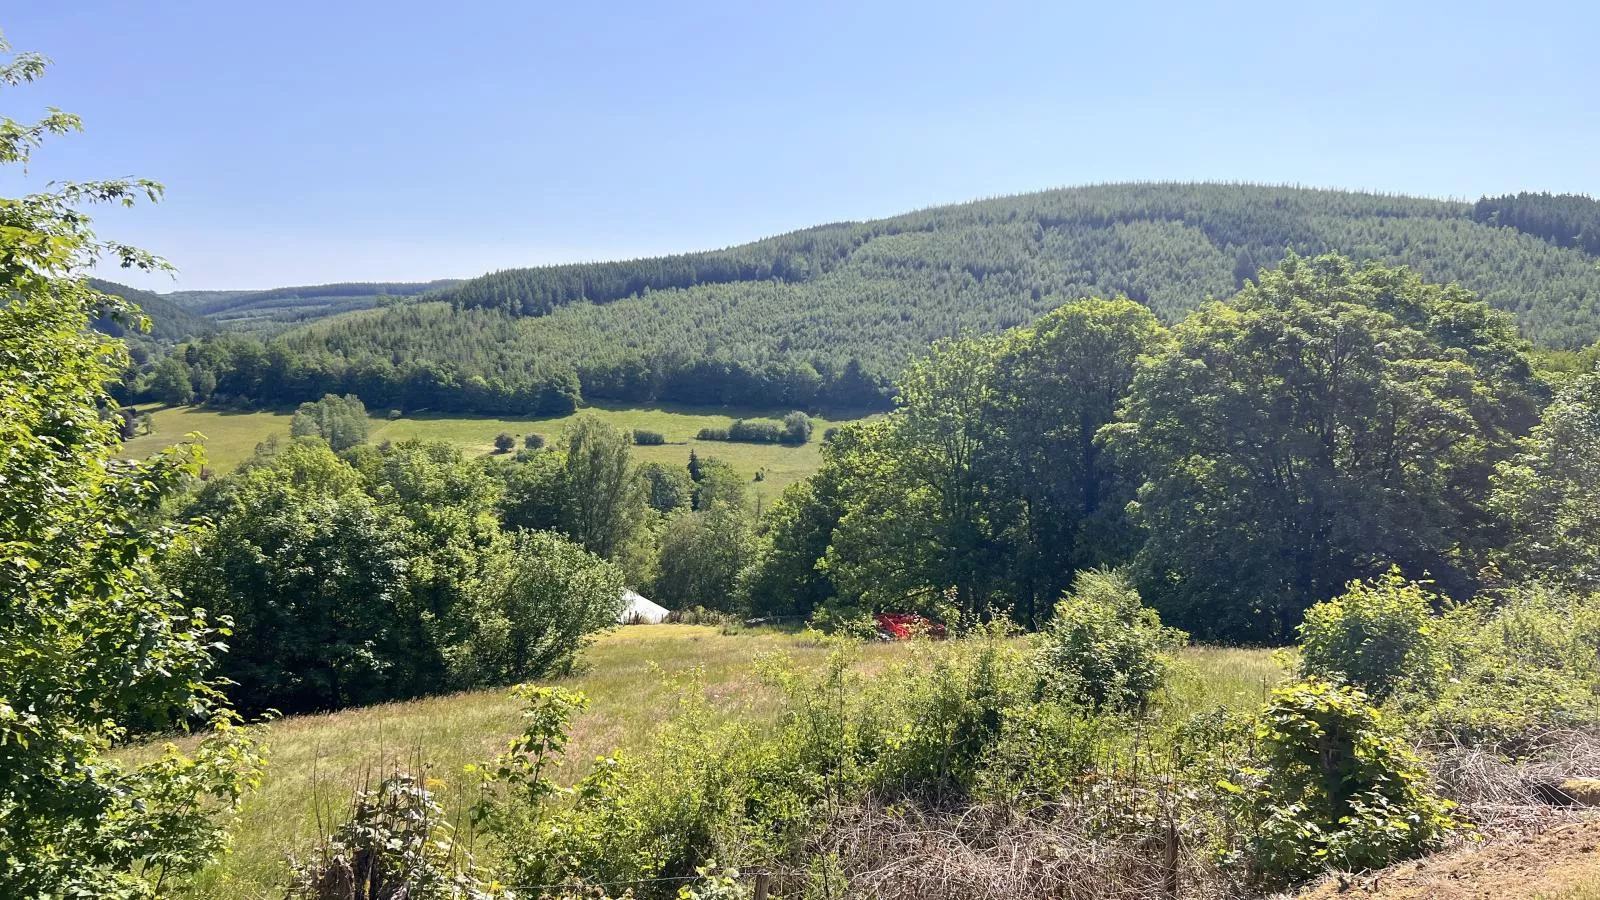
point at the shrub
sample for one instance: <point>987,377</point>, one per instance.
<point>1377,635</point>
<point>747,431</point>
<point>937,722</point>
<point>1104,647</point>
<point>1334,788</point>
<point>398,845</point>
<point>755,432</point>
<point>394,414</point>
<point>796,428</point>
<point>539,611</point>
<point>648,438</point>
<point>533,441</point>
<point>1519,665</point>
<point>504,442</point>
<point>628,820</point>
<point>1041,752</point>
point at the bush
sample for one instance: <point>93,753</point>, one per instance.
<point>539,611</point>
<point>648,438</point>
<point>533,441</point>
<point>1378,635</point>
<point>394,414</point>
<point>1104,647</point>
<point>628,820</point>
<point>755,432</point>
<point>748,432</point>
<point>796,428</point>
<point>504,442</point>
<point>937,722</point>
<point>398,845</point>
<point>1519,665</point>
<point>1334,788</point>
<point>341,421</point>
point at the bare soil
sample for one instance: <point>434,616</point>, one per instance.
<point>1558,862</point>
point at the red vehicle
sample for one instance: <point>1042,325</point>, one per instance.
<point>904,626</point>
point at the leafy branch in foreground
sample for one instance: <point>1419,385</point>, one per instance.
<point>92,646</point>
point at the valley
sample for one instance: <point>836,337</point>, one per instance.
<point>230,437</point>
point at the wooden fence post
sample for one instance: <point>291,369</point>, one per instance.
<point>763,881</point>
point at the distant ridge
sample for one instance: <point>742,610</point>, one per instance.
<point>825,316</point>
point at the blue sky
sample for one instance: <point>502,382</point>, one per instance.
<point>359,141</point>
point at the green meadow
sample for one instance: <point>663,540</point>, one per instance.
<point>633,678</point>
<point>230,437</point>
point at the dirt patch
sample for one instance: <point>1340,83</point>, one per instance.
<point>1547,863</point>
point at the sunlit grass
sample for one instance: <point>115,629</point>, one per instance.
<point>633,677</point>
<point>230,438</point>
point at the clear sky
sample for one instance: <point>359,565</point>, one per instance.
<point>306,142</point>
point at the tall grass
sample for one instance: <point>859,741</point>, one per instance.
<point>632,676</point>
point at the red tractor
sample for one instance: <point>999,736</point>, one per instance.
<point>905,626</point>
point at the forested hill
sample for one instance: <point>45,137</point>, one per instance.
<point>826,315</point>
<point>1164,245</point>
<point>169,321</point>
<point>276,309</point>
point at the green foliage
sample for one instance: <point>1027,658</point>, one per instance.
<point>784,578</point>
<point>313,574</point>
<point>668,488</point>
<point>601,502</point>
<point>700,555</point>
<point>1326,423</point>
<point>989,477</point>
<point>397,845</point>
<point>92,644</point>
<point>384,575</point>
<point>644,438</point>
<point>938,722</point>
<point>1379,635</point>
<point>341,421</point>
<point>1103,647</point>
<point>1334,788</point>
<point>625,822</point>
<point>1522,663</point>
<point>823,317</point>
<point>170,383</point>
<point>796,428</point>
<point>533,441</point>
<point>1548,495</point>
<point>546,600</point>
<point>505,442</point>
<point>1566,220</point>
<point>751,432</point>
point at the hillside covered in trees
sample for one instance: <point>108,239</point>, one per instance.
<point>825,316</point>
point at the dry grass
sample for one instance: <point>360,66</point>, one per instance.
<point>317,761</point>
<point>992,854</point>
<point>632,676</point>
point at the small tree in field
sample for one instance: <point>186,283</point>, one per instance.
<point>1104,647</point>
<point>505,442</point>
<point>341,421</point>
<point>1378,635</point>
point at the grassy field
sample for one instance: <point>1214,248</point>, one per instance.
<point>230,437</point>
<point>632,681</point>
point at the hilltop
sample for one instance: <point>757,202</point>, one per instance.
<point>826,315</point>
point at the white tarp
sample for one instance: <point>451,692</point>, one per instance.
<point>638,609</point>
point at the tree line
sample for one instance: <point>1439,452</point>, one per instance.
<point>827,317</point>
<point>1326,423</point>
